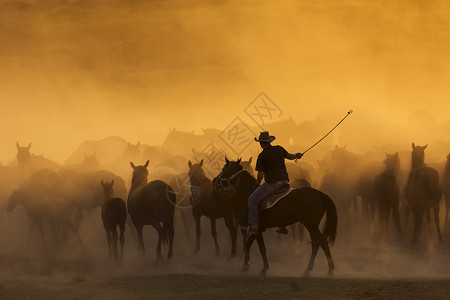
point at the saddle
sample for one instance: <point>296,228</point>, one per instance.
<point>273,198</point>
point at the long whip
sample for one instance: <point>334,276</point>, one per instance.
<point>348,113</point>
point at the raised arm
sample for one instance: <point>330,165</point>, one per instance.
<point>293,156</point>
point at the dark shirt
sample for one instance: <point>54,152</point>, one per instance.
<point>271,162</point>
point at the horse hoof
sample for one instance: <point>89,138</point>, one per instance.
<point>330,273</point>
<point>245,268</point>
<point>263,272</point>
<point>306,273</point>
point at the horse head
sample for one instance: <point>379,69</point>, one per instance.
<point>108,189</point>
<point>90,162</point>
<point>392,162</point>
<point>418,156</point>
<point>247,165</point>
<point>16,197</point>
<point>196,172</point>
<point>23,154</point>
<point>140,174</point>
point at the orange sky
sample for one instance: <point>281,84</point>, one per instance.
<point>71,72</point>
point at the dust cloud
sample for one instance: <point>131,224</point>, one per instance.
<point>83,78</point>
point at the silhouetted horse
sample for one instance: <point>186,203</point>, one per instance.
<point>206,201</point>
<point>305,205</point>
<point>151,203</point>
<point>45,200</point>
<point>387,193</point>
<point>29,163</point>
<point>422,190</point>
<point>114,213</point>
<point>446,188</point>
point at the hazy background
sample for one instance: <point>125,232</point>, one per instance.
<point>83,70</point>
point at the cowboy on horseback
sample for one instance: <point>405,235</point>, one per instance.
<point>270,166</point>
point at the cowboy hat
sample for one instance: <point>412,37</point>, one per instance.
<point>265,137</point>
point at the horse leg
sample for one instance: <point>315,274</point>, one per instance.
<point>233,233</point>
<point>301,231</point>
<point>115,239</point>
<point>197,232</point>
<point>428,215</point>
<point>417,215</point>
<point>139,229</point>
<point>170,228</point>
<point>396,218</point>
<point>160,231</point>
<point>75,231</point>
<point>326,248</point>
<point>214,234</point>
<point>262,249</point>
<point>108,240</point>
<point>407,212</point>
<point>41,233</point>
<point>436,221</point>
<point>122,238</point>
<point>447,207</point>
<point>316,237</point>
<point>293,231</point>
<point>248,245</point>
<point>244,239</point>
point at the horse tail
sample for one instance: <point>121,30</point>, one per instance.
<point>329,230</point>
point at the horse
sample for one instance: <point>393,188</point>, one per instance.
<point>446,187</point>
<point>422,190</point>
<point>386,193</point>
<point>206,201</point>
<point>306,205</point>
<point>45,200</point>
<point>247,165</point>
<point>151,203</point>
<point>114,213</point>
<point>29,163</point>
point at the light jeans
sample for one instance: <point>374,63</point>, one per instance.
<point>262,191</point>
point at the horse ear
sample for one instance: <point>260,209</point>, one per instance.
<point>193,151</point>
<point>132,165</point>
<point>146,164</point>
<point>138,144</point>
<point>102,183</point>
<point>29,147</point>
<point>190,164</point>
<point>396,154</point>
<point>239,160</point>
<point>250,159</point>
<point>201,163</point>
<point>425,147</point>
<point>112,182</point>
<point>413,146</point>
<point>17,145</point>
<point>387,155</point>
<point>226,160</point>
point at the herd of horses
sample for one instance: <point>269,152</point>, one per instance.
<point>61,196</point>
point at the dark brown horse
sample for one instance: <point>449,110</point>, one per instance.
<point>422,190</point>
<point>305,205</point>
<point>114,213</point>
<point>206,201</point>
<point>387,193</point>
<point>151,203</point>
